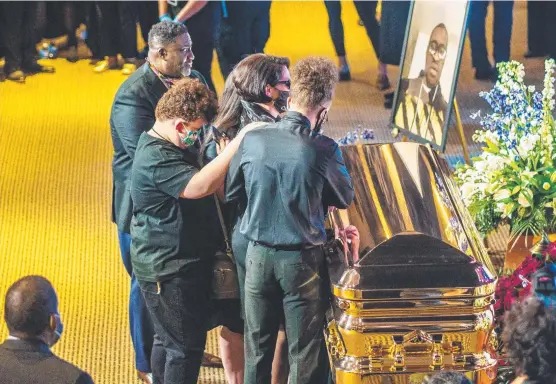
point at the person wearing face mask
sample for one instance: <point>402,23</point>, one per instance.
<point>170,59</point>
<point>175,230</point>
<point>34,326</point>
<point>288,172</point>
<point>255,91</point>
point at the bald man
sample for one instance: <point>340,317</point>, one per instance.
<point>34,325</point>
<point>421,106</point>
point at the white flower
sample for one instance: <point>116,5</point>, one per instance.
<point>527,144</point>
<point>502,194</point>
<point>522,200</point>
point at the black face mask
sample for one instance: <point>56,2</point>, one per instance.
<point>321,119</point>
<point>281,103</point>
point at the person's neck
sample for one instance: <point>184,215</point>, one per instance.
<point>310,115</point>
<point>270,108</point>
<point>157,64</point>
<point>164,131</point>
<point>24,337</point>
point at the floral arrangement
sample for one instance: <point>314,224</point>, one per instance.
<point>513,181</point>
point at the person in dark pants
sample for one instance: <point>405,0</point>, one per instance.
<point>34,326</point>
<point>201,18</point>
<point>147,12</point>
<point>367,13</point>
<point>244,31</point>
<point>117,32</point>
<point>17,22</point>
<point>286,194</point>
<point>173,237</point>
<point>540,38</point>
<point>133,112</point>
<point>503,20</point>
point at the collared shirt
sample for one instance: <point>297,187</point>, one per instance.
<point>288,176</point>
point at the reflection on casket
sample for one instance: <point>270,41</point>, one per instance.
<point>417,297</point>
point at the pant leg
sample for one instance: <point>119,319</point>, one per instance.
<point>503,21</point>
<point>235,43</point>
<point>335,26</point>
<point>127,17</point>
<point>201,29</point>
<point>92,22</point>
<point>262,303</point>
<point>477,37</point>
<point>108,27</point>
<point>179,310</point>
<point>536,20</point>
<point>11,21</point>
<point>299,274</point>
<point>367,13</point>
<point>148,16</point>
<point>260,29</point>
<point>239,245</point>
<point>142,332</point>
<point>158,360</point>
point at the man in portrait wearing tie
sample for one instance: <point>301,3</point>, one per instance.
<point>421,107</point>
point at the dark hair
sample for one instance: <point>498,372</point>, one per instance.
<point>189,100</point>
<point>313,82</point>
<point>247,81</point>
<point>448,378</point>
<point>164,33</point>
<point>29,303</point>
<point>529,336</point>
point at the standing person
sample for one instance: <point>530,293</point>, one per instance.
<point>17,23</point>
<point>367,13</point>
<point>133,112</point>
<point>34,326</point>
<point>244,30</point>
<point>286,192</point>
<point>503,20</point>
<point>256,90</point>
<point>174,234</point>
<point>201,18</point>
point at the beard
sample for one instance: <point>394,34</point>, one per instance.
<point>186,70</point>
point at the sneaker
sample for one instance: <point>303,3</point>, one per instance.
<point>34,67</point>
<point>17,75</point>
<point>129,68</point>
<point>382,82</point>
<point>105,65</point>
<point>72,56</point>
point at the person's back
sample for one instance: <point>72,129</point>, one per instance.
<point>287,169</point>
<point>34,325</point>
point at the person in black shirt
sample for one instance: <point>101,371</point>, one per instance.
<point>289,173</point>
<point>255,91</point>
<point>34,326</point>
<point>173,236</point>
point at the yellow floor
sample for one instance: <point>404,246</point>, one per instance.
<point>55,189</point>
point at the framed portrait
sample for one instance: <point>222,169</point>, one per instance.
<point>429,70</point>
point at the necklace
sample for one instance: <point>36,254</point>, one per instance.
<point>159,135</point>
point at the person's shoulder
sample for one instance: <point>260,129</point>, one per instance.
<point>72,372</point>
<point>326,144</point>
<point>139,81</point>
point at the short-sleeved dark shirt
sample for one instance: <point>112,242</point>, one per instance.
<point>168,233</point>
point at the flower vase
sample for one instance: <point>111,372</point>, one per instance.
<point>516,253</point>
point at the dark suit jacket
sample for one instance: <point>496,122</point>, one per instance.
<point>132,114</point>
<point>30,362</point>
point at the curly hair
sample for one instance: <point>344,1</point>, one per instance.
<point>529,336</point>
<point>448,378</point>
<point>29,303</point>
<point>164,33</point>
<point>313,82</point>
<point>189,100</point>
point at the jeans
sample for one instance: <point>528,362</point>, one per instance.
<point>503,20</point>
<point>279,280</point>
<point>140,323</point>
<point>179,311</point>
<point>367,13</point>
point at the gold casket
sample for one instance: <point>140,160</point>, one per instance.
<point>413,296</point>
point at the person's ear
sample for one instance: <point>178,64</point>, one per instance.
<point>162,52</point>
<point>268,90</point>
<point>53,322</point>
<point>180,126</point>
<point>288,102</point>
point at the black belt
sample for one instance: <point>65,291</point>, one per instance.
<point>292,247</point>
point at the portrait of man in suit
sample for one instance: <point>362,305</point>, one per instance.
<point>421,107</point>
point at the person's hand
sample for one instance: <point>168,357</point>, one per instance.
<point>352,240</point>
<point>221,143</point>
<point>165,17</point>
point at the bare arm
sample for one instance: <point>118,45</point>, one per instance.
<point>190,9</point>
<point>212,175</point>
<point>162,8</point>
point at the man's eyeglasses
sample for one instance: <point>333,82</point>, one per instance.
<point>287,83</point>
<point>437,49</point>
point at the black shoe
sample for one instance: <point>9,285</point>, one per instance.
<point>531,55</point>
<point>487,74</point>
<point>344,75</point>
<point>389,100</point>
<point>382,82</point>
<point>35,67</point>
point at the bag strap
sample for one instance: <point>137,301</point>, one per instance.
<point>220,216</point>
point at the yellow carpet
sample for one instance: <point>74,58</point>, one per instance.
<point>55,190</point>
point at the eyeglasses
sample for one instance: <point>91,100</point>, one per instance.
<point>287,83</point>
<point>437,49</point>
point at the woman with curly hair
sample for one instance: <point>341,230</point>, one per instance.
<point>530,340</point>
